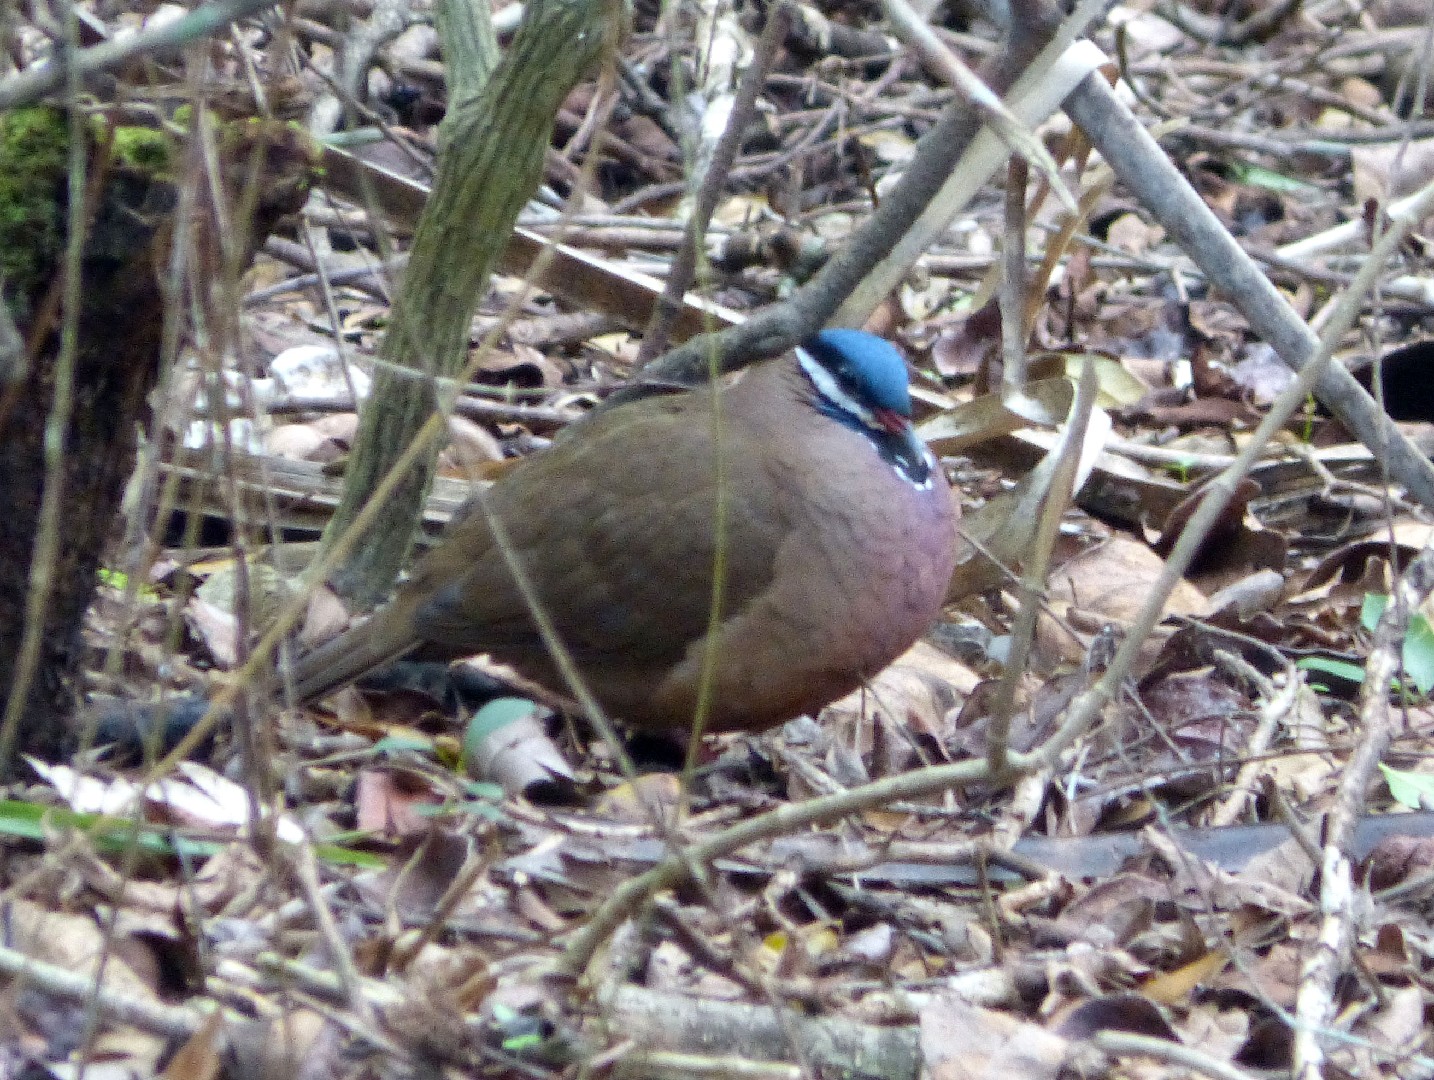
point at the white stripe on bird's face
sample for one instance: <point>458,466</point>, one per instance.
<point>829,388</point>
<point>879,427</point>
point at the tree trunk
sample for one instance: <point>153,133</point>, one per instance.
<point>115,352</point>
<point>493,141</point>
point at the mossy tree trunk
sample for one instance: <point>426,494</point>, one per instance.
<point>493,144</point>
<point>115,362</point>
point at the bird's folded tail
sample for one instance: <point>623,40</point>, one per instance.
<point>383,638</point>
<point>138,731</point>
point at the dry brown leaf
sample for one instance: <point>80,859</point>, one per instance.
<point>74,942</point>
<point>387,802</point>
<point>960,1041</point>
<point>1106,585</point>
<point>1175,987</point>
<point>302,442</point>
<point>653,793</point>
<point>201,1055</point>
<point>325,617</point>
<point>300,1043</point>
<point>916,691</point>
<point>1389,171</point>
<point>216,628</point>
<point>471,447</point>
<point>1133,235</point>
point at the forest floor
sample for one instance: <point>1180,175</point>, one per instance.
<point>1212,862</point>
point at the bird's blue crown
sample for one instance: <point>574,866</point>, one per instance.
<point>867,367</point>
<point>860,381</point>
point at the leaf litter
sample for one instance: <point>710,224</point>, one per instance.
<point>913,938</point>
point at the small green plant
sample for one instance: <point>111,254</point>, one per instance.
<point>1183,470</point>
<point>1418,651</point>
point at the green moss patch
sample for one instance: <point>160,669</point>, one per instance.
<point>33,157</point>
<point>147,149</point>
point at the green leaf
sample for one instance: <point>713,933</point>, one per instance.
<point>394,744</point>
<point>477,807</point>
<point>1419,653</point>
<point>1409,789</point>
<point>492,718</point>
<point>1340,669</point>
<point>29,821</point>
<point>1261,177</point>
<point>497,714</point>
<point>116,579</point>
<point>1372,610</point>
<point>484,789</point>
<point>482,808</point>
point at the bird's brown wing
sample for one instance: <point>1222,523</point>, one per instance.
<point>617,532</point>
